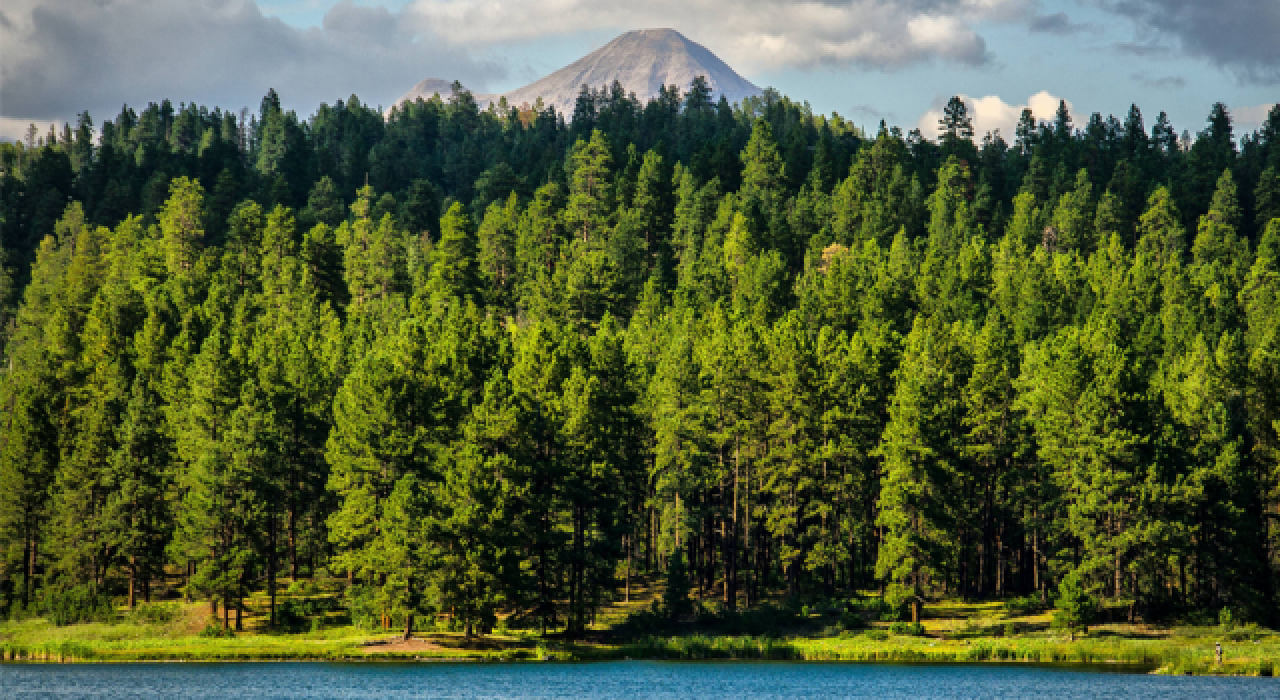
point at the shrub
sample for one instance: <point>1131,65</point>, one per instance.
<point>1010,629</point>
<point>1027,605</point>
<point>79,604</point>
<point>291,615</point>
<point>878,635</point>
<point>301,587</point>
<point>907,629</point>
<point>675,599</point>
<point>852,621</point>
<point>213,630</point>
<point>1076,607</point>
<point>1246,633</point>
<point>362,604</point>
<point>155,613</point>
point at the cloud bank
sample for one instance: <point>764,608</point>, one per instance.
<point>748,34</point>
<point>1247,119</point>
<point>991,113</point>
<point>1240,36</point>
<point>59,57</point>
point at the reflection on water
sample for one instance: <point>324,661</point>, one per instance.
<point>625,679</point>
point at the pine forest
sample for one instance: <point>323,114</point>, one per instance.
<point>498,364</point>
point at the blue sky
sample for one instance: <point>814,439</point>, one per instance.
<point>866,59</point>
<point>1090,61</point>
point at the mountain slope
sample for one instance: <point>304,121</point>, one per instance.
<point>643,61</point>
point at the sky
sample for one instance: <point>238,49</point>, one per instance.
<point>867,60</point>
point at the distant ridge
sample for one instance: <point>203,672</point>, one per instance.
<point>643,61</point>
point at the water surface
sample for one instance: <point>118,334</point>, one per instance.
<point>622,679</point>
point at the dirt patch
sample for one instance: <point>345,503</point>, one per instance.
<point>399,646</point>
<point>439,643</point>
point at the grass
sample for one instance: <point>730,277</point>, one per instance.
<point>953,632</point>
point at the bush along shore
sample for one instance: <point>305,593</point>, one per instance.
<point>320,624</point>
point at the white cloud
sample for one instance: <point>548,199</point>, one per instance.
<point>15,128</point>
<point>59,57</point>
<point>991,113</point>
<point>1249,119</point>
<point>749,34</point>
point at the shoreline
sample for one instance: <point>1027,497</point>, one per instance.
<point>1083,655</point>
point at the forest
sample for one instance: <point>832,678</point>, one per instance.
<point>497,363</point>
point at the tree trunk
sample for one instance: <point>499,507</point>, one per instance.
<point>293,544</point>
<point>271,568</point>
<point>648,544</point>
<point>408,626</point>
<point>31,572</point>
<point>133,582</point>
<point>1035,564</point>
<point>731,542</point>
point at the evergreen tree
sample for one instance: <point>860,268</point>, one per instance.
<point>1076,607</point>
<point>182,225</point>
<point>921,453</point>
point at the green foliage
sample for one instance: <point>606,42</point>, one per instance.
<point>907,629</point>
<point>156,613</point>
<point>76,605</point>
<point>490,364</point>
<point>213,629</point>
<point>1025,605</point>
<point>675,597</point>
<point>1076,606</point>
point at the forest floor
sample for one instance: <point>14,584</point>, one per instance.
<point>953,631</point>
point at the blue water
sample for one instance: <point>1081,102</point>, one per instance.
<point>623,679</point>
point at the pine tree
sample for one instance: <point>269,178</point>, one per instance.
<point>496,259</point>
<point>1266,197</point>
<point>373,255</point>
<point>1220,262</point>
<point>1073,217</point>
<point>993,439</point>
<point>467,553</point>
<point>675,596</point>
<point>182,225</point>
<point>210,530</point>
<point>591,194</point>
<point>955,126</point>
<point>1081,397</point>
<point>324,205</point>
<point>453,262</point>
<point>1160,232</point>
<point>1076,608</point>
<point>139,512</point>
<point>921,453</point>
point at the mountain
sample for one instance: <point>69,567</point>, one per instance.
<point>427,88</point>
<point>643,61</point>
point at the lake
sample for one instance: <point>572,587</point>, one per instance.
<point>623,679</point>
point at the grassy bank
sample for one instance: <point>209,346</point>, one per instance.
<point>1177,651</point>
<point>1159,655</point>
<point>952,632</point>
